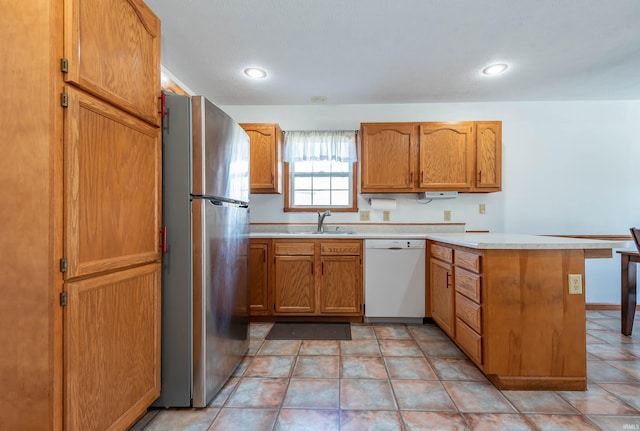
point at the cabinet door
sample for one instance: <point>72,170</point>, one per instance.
<point>258,278</point>
<point>388,157</point>
<point>340,287</point>
<point>112,189</point>
<point>294,285</point>
<point>442,295</point>
<point>266,144</point>
<point>113,51</point>
<point>488,156</point>
<point>112,348</point>
<point>446,156</point>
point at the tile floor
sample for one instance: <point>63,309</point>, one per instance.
<point>409,377</point>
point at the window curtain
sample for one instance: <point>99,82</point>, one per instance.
<point>334,145</point>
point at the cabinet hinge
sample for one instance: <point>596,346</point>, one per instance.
<point>63,299</point>
<point>63,265</point>
<point>64,100</point>
<point>64,65</point>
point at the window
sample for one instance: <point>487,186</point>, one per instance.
<point>320,171</point>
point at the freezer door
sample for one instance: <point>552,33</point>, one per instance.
<point>220,153</point>
<point>220,295</point>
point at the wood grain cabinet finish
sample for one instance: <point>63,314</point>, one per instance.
<point>112,348</point>
<point>113,52</point>
<point>340,284</point>
<point>446,156</point>
<point>488,157</point>
<point>112,187</point>
<point>317,278</point>
<point>441,290</point>
<point>85,265</point>
<point>435,156</point>
<point>514,317</point>
<point>266,157</point>
<point>294,290</point>
<point>259,277</point>
<point>388,161</point>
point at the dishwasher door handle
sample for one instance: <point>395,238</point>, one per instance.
<point>395,248</point>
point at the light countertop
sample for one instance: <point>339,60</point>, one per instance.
<point>522,241</point>
<point>471,240</point>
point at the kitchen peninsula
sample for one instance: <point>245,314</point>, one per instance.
<point>513,303</point>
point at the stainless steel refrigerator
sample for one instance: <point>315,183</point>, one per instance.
<point>205,266</point>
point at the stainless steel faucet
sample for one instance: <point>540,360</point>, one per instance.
<point>321,217</point>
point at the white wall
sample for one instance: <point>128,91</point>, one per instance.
<point>568,168</point>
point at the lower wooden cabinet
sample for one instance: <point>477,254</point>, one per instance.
<point>442,295</point>
<point>259,277</point>
<point>511,313</point>
<point>112,348</point>
<point>300,277</point>
<point>294,279</point>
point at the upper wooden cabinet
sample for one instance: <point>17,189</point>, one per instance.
<point>113,51</point>
<point>266,157</point>
<point>112,187</point>
<point>488,174</point>
<point>388,157</point>
<point>446,156</point>
<point>413,157</point>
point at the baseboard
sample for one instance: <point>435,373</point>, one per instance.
<point>613,307</point>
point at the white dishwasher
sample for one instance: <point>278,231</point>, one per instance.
<point>394,284</point>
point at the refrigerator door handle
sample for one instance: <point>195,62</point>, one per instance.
<point>221,201</point>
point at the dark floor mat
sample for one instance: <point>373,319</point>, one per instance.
<point>310,331</point>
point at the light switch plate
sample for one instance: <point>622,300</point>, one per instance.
<point>483,209</point>
<point>365,215</point>
<point>447,216</point>
<point>386,215</point>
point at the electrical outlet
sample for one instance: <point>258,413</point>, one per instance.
<point>447,216</point>
<point>483,209</point>
<point>365,215</point>
<point>386,215</point>
<point>575,284</point>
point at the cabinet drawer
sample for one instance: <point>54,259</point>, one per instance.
<point>469,341</point>
<point>469,311</point>
<point>442,253</point>
<point>294,248</point>
<point>468,284</point>
<point>349,248</point>
<point>470,261</point>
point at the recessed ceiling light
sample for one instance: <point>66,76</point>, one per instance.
<point>254,72</point>
<point>495,69</point>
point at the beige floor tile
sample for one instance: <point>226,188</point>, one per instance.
<point>478,397</point>
<point>562,423</point>
<point>497,421</point>
<point>258,392</point>
<point>597,401</point>
<point>308,420</point>
<point>433,421</point>
<point>363,394</point>
<point>400,368</point>
<point>362,367</point>
<point>327,367</point>
<point>422,395</point>
<point>371,421</point>
<point>320,347</point>
<point>313,394</point>
<point>545,402</point>
<point>244,420</point>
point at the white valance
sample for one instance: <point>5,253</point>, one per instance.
<point>320,145</point>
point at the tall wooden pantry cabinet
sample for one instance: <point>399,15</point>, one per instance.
<point>80,189</point>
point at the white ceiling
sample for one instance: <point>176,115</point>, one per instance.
<point>402,51</point>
